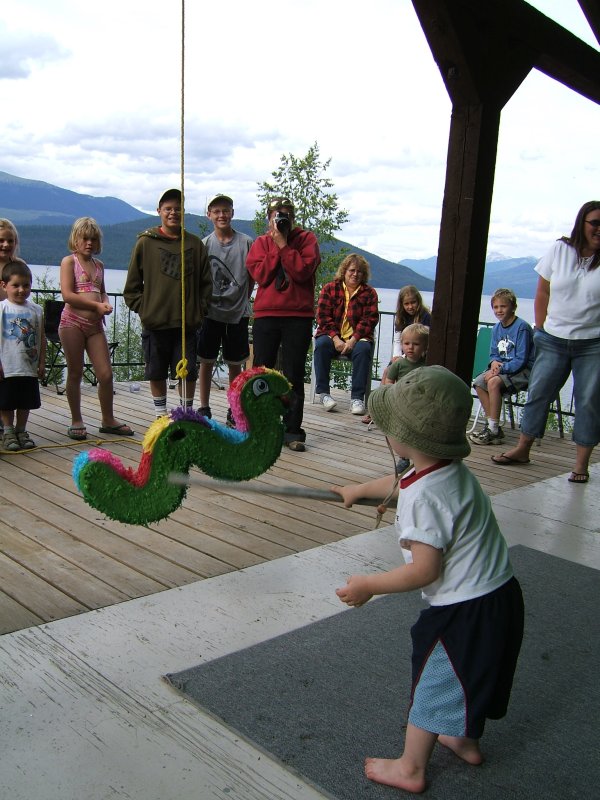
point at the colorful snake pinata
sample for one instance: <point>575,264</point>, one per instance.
<point>186,439</point>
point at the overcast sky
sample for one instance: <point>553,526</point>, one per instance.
<point>91,101</point>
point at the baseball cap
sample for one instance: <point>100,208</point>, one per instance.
<point>220,198</point>
<point>170,194</point>
<point>427,409</point>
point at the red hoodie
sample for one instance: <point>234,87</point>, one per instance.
<point>286,277</point>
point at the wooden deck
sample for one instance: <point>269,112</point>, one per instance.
<point>59,557</point>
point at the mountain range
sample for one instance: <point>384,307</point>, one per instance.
<point>44,214</point>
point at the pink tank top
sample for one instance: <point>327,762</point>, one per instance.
<point>82,282</point>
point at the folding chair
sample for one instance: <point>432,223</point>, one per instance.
<point>54,355</point>
<point>482,359</point>
<point>480,364</point>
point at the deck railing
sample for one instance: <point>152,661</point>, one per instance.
<point>123,326</point>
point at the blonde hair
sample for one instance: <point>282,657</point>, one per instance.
<point>418,329</point>
<point>359,261</point>
<point>9,226</point>
<point>505,294</point>
<point>85,228</point>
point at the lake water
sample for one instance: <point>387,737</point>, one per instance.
<point>115,280</point>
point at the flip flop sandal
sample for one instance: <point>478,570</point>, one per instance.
<point>117,430</point>
<point>579,477</point>
<point>505,460</point>
<point>77,432</point>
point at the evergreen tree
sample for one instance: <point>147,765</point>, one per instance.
<point>304,182</point>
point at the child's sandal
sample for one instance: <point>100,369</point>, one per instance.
<point>25,440</point>
<point>10,441</point>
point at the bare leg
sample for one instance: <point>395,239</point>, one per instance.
<point>408,771</point>
<point>187,387</point>
<point>73,342</point>
<point>97,349</point>
<point>495,386</point>
<point>521,451</point>
<point>582,464</point>
<point>484,399</point>
<point>204,379</point>
<point>8,418</point>
<point>467,749</point>
<point>234,371</point>
<point>22,419</point>
<point>158,388</point>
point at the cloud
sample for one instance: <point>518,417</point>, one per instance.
<point>22,54</point>
<point>99,113</point>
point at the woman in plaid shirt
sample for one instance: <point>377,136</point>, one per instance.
<point>347,315</point>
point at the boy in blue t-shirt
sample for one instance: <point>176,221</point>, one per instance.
<point>511,358</point>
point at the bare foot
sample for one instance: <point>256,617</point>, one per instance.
<point>392,772</point>
<point>467,749</point>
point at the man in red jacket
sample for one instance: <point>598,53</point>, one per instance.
<point>283,263</point>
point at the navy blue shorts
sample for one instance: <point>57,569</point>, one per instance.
<point>21,392</point>
<point>231,336</point>
<point>464,660</point>
<point>162,353</point>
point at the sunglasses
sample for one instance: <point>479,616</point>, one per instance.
<point>595,223</point>
<point>280,202</point>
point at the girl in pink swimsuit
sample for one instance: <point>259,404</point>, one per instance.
<point>81,326</point>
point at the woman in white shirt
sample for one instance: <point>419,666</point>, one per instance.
<point>567,338</point>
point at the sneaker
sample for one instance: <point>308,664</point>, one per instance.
<point>230,422</point>
<point>474,437</point>
<point>205,411</point>
<point>357,407</point>
<point>328,402</point>
<point>297,447</point>
<point>487,437</point>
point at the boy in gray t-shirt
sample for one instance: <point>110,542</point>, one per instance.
<point>226,323</point>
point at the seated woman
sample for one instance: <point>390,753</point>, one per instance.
<point>347,316</point>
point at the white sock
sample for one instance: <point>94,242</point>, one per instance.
<point>493,425</point>
<point>160,405</point>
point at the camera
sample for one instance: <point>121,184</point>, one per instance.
<point>283,222</point>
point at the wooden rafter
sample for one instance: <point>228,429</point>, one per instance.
<point>484,50</point>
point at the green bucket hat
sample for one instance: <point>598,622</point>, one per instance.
<point>427,409</point>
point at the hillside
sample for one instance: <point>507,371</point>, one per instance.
<point>47,244</point>
<point>44,214</point>
<point>28,202</point>
<point>514,273</point>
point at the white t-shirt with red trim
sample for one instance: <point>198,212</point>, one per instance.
<point>445,507</point>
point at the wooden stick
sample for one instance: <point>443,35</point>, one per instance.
<point>181,479</point>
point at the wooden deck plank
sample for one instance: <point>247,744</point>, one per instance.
<point>50,539</point>
<point>79,584</point>
<point>121,577</point>
<point>14,616</point>
<point>35,594</point>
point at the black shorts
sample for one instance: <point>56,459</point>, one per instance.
<point>231,336</point>
<point>162,353</point>
<point>464,660</point>
<point>19,393</point>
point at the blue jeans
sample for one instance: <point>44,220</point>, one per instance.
<point>361,356</point>
<point>554,360</point>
